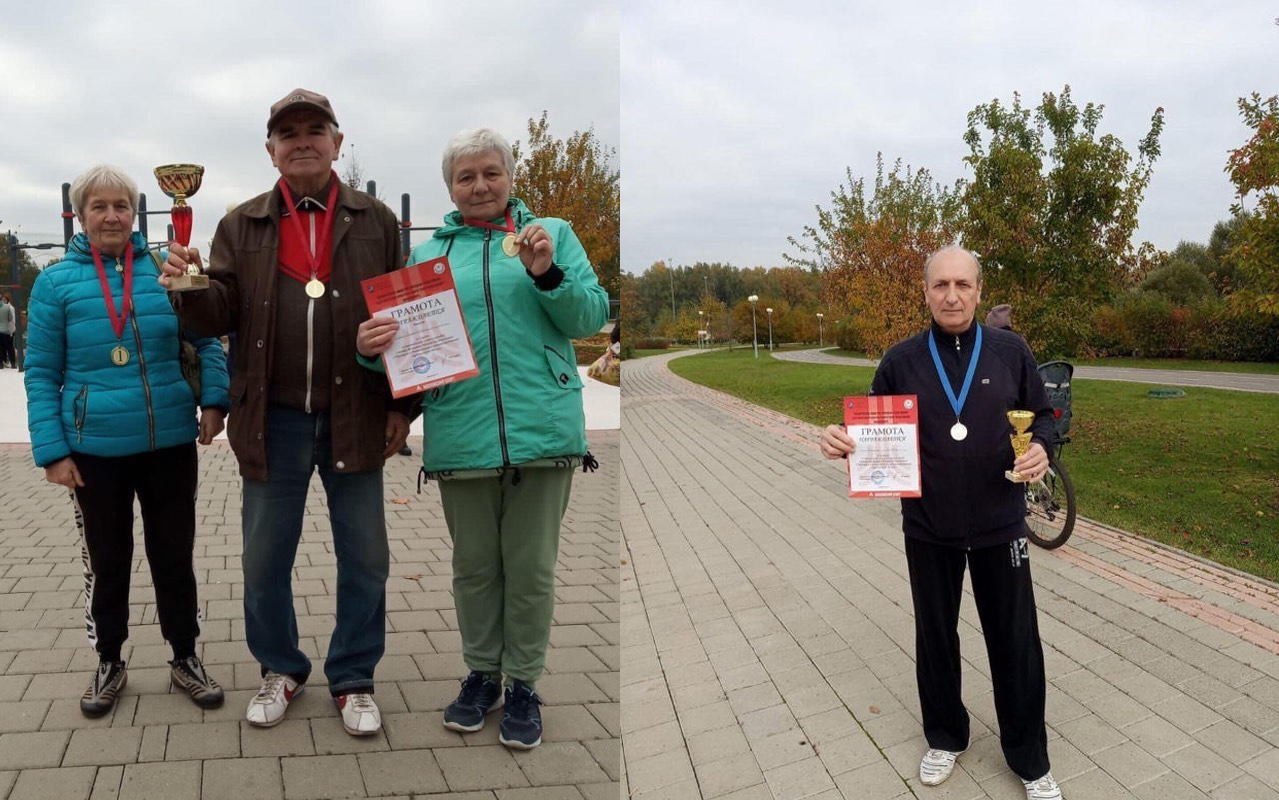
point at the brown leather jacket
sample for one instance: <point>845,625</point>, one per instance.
<point>241,299</point>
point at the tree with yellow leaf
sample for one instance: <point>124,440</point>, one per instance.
<point>871,251</point>
<point>1254,169</point>
<point>574,179</point>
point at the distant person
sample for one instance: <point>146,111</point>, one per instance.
<point>966,378</point>
<point>1001,316</point>
<point>8,325</point>
<point>504,444</point>
<point>113,419</point>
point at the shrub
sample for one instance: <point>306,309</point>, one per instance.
<point>652,343</point>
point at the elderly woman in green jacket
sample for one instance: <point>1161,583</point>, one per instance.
<point>504,445</point>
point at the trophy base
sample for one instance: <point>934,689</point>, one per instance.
<point>188,283</point>
<point>1016,477</point>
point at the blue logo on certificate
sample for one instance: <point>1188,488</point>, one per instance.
<point>421,365</point>
<point>878,477</point>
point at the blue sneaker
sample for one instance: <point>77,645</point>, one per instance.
<point>522,721</point>
<point>480,694</point>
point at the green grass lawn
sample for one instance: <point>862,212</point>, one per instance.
<point>639,353</point>
<point>1200,472</point>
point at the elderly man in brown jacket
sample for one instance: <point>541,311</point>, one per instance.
<point>285,271</point>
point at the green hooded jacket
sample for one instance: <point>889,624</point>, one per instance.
<point>526,403</point>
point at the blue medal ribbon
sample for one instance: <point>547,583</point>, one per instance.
<point>957,404</point>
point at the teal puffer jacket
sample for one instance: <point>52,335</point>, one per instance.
<point>78,401</point>
<point>526,403</point>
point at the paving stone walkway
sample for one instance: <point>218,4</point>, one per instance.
<point>768,643</point>
<point>157,744</point>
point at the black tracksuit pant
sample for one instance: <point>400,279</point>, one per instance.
<point>1005,601</point>
<point>164,482</point>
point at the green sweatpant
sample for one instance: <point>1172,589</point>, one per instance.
<point>506,533</point>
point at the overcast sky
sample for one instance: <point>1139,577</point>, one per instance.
<point>87,82</point>
<point>738,118</point>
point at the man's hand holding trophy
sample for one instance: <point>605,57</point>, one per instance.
<point>182,271</point>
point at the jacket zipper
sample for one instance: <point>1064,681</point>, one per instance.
<point>146,385</point>
<point>80,408</point>
<point>497,384</point>
<point>310,326</point>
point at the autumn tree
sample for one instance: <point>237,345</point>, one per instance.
<point>574,179</point>
<point>871,250</point>
<point>1254,170</point>
<point>1051,207</point>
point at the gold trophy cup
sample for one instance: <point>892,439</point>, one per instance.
<point>1020,420</point>
<point>181,181</point>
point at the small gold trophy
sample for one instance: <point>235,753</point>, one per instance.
<point>181,181</point>
<point>1020,420</point>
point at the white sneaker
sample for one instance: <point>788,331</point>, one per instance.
<point>937,765</point>
<point>1045,788</point>
<point>267,706</point>
<point>360,715</point>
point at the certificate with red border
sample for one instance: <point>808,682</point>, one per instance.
<point>432,347</point>
<point>885,462</point>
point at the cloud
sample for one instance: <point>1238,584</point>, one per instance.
<point>153,82</point>
<point>739,118</point>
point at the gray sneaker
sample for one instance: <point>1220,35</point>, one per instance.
<point>188,675</point>
<point>107,684</point>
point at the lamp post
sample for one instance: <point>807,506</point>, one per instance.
<point>821,342</point>
<point>671,272</point>
<point>770,329</point>
<point>753,299</point>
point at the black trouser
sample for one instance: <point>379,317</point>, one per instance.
<point>165,484</point>
<point>1005,599</point>
<point>7,354</point>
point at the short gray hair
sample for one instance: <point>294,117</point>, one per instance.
<point>473,142</point>
<point>101,176</point>
<point>953,248</point>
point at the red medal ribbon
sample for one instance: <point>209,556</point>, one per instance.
<point>509,227</point>
<point>319,269</point>
<point>117,322</point>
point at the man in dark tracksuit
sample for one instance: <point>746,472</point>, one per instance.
<point>970,515</point>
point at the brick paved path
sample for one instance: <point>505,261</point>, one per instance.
<point>768,641</point>
<point>157,744</point>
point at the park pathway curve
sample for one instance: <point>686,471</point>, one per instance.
<point>768,638</point>
<point>1237,381</point>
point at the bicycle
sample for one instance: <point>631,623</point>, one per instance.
<point>1050,502</point>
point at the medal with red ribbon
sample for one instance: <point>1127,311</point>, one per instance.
<point>119,353</point>
<point>321,268</point>
<point>510,244</point>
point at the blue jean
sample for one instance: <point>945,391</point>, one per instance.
<point>296,444</point>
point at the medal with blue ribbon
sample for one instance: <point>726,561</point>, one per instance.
<point>958,431</point>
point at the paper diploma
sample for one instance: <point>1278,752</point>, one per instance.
<point>885,462</point>
<point>432,347</point>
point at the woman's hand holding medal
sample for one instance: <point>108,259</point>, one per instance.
<point>536,249</point>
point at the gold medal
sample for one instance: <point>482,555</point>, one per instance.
<point>510,245</point>
<point>314,289</point>
<point>119,355</point>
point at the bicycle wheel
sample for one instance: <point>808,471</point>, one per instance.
<point>1050,507</point>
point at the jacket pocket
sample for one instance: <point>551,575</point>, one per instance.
<point>80,410</point>
<point>563,371</point>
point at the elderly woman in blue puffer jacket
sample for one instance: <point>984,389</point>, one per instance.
<point>112,417</point>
